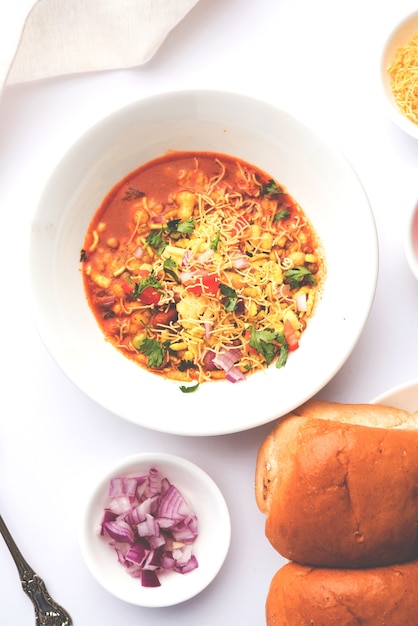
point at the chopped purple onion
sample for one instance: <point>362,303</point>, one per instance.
<point>123,486</point>
<point>240,261</point>
<point>186,276</point>
<point>149,578</point>
<point>136,554</point>
<point>173,505</point>
<point>206,256</point>
<point>207,360</point>
<point>119,530</point>
<point>226,358</point>
<point>234,374</point>
<point>151,527</point>
<point>138,252</point>
<point>148,528</point>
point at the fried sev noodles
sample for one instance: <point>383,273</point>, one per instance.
<point>403,71</point>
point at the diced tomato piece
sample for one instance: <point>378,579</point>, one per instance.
<point>290,336</point>
<point>207,285</point>
<point>239,226</point>
<point>127,287</point>
<point>149,295</point>
<point>249,348</point>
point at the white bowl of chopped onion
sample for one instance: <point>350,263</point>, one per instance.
<point>315,174</point>
<point>156,530</point>
<point>399,72</point>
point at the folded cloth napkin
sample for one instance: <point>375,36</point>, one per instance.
<point>52,37</point>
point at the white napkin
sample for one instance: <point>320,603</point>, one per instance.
<point>52,37</point>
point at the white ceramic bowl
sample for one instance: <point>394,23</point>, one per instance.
<point>403,396</point>
<point>210,548</point>
<point>399,36</point>
<point>411,241</point>
<point>315,173</point>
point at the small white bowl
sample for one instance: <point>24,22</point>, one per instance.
<point>397,38</point>
<point>411,241</point>
<point>210,548</point>
<point>403,396</point>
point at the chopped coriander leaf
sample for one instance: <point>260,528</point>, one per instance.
<point>155,239</point>
<point>231,298</point>
<point>190,389</point>
<point>169,263</point>
<point>265,342</point>
<point>298,276</point>
<point>150,281</point>
<point>186,227</point>
<point>172,225</point>
<point>176,225</point>
<point>270,188</point>
<point>185,365</point>
<point>83,256</point>
<point>154,350</point>
<point>169,267</point>
<point>281,215</point>
<point>107,315</point>
<point>215,243</point>
<point>284,351</point>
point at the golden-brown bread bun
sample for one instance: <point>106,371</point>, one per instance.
<point>339,485</point>
<point>304,596</point>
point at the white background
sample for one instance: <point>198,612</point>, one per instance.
<point>320,61</point>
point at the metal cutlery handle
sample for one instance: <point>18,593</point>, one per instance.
<point>47,611</point>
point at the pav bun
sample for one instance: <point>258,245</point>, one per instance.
<point>339,485</point>
<point>304,596</point>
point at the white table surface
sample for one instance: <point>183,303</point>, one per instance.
<point>320,61</point>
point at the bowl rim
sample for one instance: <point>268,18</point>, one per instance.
<point>128,589</point>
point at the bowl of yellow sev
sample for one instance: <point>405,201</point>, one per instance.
<point>399,73</point>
